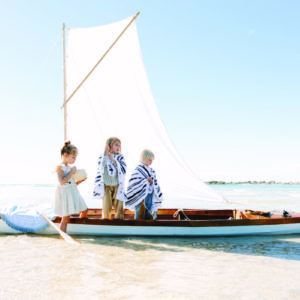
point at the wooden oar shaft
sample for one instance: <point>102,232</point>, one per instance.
<point>65,236</point>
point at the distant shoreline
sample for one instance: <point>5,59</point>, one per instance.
<point>249,182</point>
<point>212,182</point>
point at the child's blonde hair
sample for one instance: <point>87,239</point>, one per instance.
<point>146,154</point>
<point>113,140</point>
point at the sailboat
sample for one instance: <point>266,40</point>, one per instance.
<point>107,93</point>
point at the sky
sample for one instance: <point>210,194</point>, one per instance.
<point>224,74</point>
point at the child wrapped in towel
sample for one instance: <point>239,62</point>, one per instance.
<point>143,192</point>
<point>109,181</point>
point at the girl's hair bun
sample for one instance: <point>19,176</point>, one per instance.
<point>68,148</point>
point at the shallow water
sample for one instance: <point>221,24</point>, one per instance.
<point>46,267</point>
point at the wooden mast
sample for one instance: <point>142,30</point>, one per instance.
<point>65,90</point>
<point>99,61</point>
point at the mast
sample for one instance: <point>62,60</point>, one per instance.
<point>65,90</point>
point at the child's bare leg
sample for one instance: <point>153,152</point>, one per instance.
<point>119,210</point>
<point>118,205</point>
<point>142,211</point>
<point>64,223</point>
<point>83,214</point>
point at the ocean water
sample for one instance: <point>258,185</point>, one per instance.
<point>46,267</point>
<point>262,196</point>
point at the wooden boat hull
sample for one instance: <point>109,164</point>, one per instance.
<point>205,223</point>
<point>107,230</point>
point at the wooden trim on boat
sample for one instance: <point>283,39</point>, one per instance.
<point>204,218</point>
<point>183,223</point>
<point>171,211</point>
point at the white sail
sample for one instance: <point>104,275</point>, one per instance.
<point>116,100</point>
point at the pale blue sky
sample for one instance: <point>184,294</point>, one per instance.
<point>225,76</point>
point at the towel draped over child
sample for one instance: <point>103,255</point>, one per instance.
<point>99,189</point>
<point>139,187</point>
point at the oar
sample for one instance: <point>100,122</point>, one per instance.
<point>65,236</point>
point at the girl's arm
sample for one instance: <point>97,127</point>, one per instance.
<point>112,159</point>
<point>60,175</point>
<point>108,154</point>
<point>106,150</point>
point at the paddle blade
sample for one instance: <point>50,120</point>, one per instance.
<point>64,235</point>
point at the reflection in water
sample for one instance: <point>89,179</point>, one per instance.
<point>285,247</point>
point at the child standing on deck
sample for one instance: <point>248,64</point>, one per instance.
<point>143,192</point>
<point>68,200</point>
<point>109,182</point>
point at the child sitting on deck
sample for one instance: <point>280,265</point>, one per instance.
<point>109,182</point>
<point>143,193</point>
<point>68,200</point>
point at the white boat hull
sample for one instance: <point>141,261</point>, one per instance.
<point>106,230</point>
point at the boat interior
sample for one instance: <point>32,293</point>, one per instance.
<point>196,214</point>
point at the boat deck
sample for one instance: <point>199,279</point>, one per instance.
<point>189,218</point>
